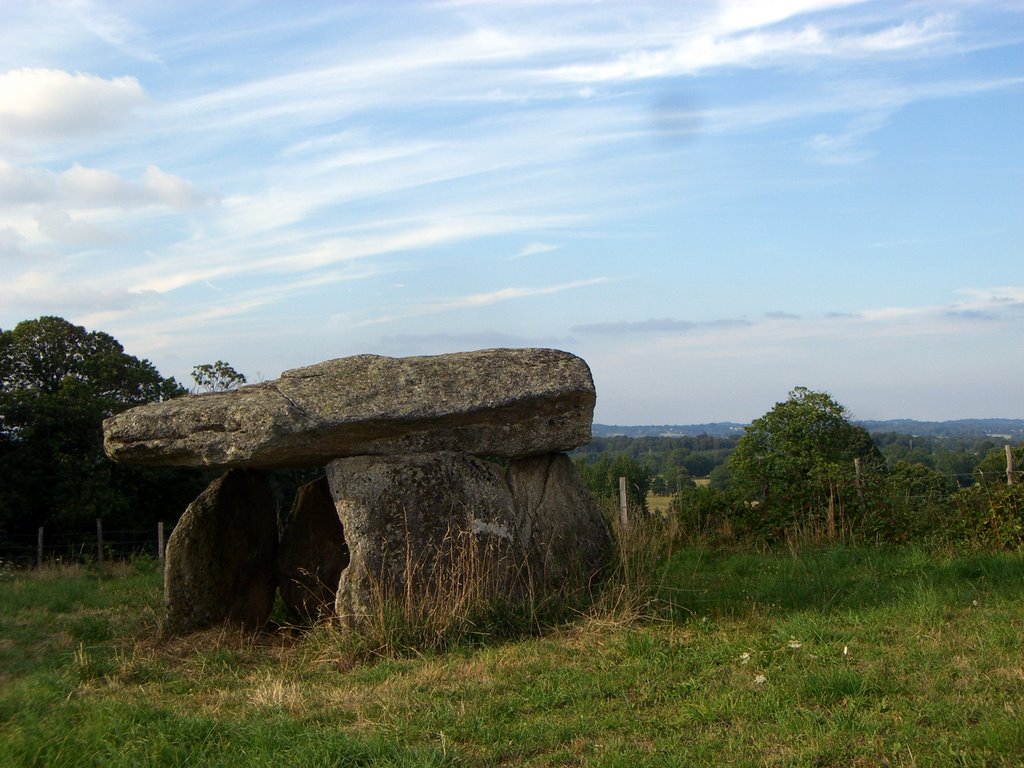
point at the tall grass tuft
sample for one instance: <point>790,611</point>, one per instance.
<point>473,590</point>
<point>635,589</point>
<point>469,589</point>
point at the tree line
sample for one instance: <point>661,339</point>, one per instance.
<point>805,469</point>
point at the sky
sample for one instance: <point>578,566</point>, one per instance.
<point>710,202</point>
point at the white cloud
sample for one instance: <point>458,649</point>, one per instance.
<point>657,326</point>
<point>19,186</point>
<point>847,146</point>
<point>1007,298</point>
<point>535,247</point>
<point>505,294</point>
<point>59,226</point>
<point>51,104</point>
<point>84,188</point>
<point>745,39</point>
<point>484,299</point>
<point>737,15</point>
<point>40,291</point>
<point>165,188</point>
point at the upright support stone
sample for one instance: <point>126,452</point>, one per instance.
<point>450,529</point>
<point>437,526</point>
<point>560,522</point>
<point>220,556</point>
<point>312,554</point>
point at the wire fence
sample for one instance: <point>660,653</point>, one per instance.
<point>99,545</point>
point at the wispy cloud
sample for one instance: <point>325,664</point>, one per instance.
<point>656,326</point>
<point>114,29</point>
<point>485,299</point>
<point>1005,304</point>
<point>712,48</point>
<point>533,248</point>
<point>304,161</point>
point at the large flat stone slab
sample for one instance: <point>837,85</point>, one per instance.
<point>496,402</point>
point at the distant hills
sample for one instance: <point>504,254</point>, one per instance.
<point>1008,429</point>
<point>715,429</point>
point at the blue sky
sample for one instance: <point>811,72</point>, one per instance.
<point>711,202</point>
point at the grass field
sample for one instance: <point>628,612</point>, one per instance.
<point>825,658</point>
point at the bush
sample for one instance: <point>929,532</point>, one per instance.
<point>909,504</point>
<point>988,516</point>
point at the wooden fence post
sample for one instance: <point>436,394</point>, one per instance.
<point>623,503</point>
<point>39,548</point>
<point>99,541</point>
<point>1009,464</point>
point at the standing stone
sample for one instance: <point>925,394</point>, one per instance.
<point>436,526</point>
<point>312,553</point>
<point>220,556</point>
<point>560,522</point>
<point>455,528</point>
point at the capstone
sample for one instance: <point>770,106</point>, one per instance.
<point>498,402</point>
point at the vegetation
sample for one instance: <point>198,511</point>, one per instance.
<point>57,384</point>
<point>602,476</point>
<point>799,453</point>
<point>672,461</point>
<point>838,657</point>
<point>217,377</point>
<point>804,471</point>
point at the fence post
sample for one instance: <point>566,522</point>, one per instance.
<point>859,477</point>
<point>623,503</point>
<point>160,542</point>
<point>99,541</point>
<point>39,548</point>
<point>1009,464</point>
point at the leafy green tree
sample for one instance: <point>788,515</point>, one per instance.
<point>57,384</point>
<point>991,470</point>
<point>217,377</point>
<point>919,481</point>
<point>602,477</point>
<point>799,459</point>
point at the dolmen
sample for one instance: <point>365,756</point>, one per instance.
<point>444,475</point>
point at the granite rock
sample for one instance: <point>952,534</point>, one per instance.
<point>496,403</point>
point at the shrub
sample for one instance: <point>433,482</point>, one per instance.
<point>988,516</point>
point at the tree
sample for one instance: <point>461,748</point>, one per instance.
<point>217,377</point>
<point>799,458</point>
<point>57,384</point>
<point>991,470</point>
<point>602,477</point>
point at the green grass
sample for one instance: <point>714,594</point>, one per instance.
<point>826,658</point>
